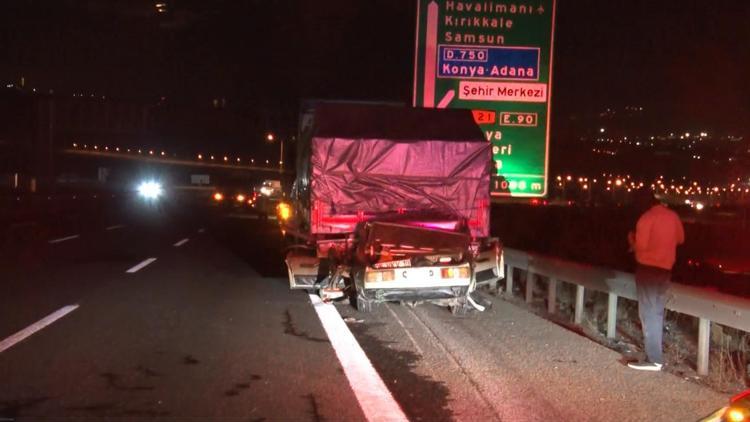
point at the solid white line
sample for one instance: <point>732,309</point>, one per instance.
<point>141,265</point>
<point>115,227</point>
<point>181,242</point>
<point>373,396</point>
<point>63,239</point>
<point>33,328</point>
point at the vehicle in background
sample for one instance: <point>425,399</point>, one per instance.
<point>391,204</point>
<point>233,198</point>
<point>267,196</point>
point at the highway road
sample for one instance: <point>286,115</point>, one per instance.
<point>181,313</point>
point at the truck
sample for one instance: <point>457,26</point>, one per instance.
<point>391,204</point>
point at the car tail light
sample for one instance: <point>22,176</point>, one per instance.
<point>240,198</point>
<point>218,196</point>
<point>377,276</point>
<point>452,272</point>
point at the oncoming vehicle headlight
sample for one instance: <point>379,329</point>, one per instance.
<point>150,190</point>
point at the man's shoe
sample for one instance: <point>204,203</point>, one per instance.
<point>645,366</point>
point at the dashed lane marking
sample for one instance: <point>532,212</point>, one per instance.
<point>115,227</point>
<point>63,239</point>
<point>181,242</point>
<point>201,230</point>
<point>373,396</point>
<point>33,328</point>
<point>141,265</point>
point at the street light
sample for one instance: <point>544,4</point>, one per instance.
<point>270,138</point>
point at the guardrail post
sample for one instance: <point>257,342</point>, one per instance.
<point>704,342</point>
<point>509,281</point>
<point>529,286</point>
<point>612,316</point>
<point>578,318</point>
<point>552,295</point>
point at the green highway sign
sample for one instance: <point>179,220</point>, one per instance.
<point>495,58</point>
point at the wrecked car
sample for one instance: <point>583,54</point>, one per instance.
<point>391,204</point>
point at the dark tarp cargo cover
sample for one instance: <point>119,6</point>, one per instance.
<point>368,161</point>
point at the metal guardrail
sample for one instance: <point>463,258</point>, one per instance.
<point>706,305</point>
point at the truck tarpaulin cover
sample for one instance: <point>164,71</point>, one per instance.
<point>372,160</point>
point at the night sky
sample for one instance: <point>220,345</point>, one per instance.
<point>686,60</point>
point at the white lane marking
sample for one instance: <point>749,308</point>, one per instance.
<point>272,217</point>
<point>141,265</point>
<point>63,239</point>
<point>408,334</point>
<point>181,242</point>
<point>373,396</point>
<point>201,230</point>
<point>33,328</point>
<point>115,227</point>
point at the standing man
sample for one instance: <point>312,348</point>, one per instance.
<point>657,234</point>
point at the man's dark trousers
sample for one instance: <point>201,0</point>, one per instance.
<point>652,284</point>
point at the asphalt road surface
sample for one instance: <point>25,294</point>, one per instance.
<point>170,313</point>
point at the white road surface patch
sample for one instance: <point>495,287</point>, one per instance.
<point>63,239</point>
<point>33,328</point>
<point>181,242</point>
<point>115,227</point>
<point>373,396</point>
<point>141,265</point>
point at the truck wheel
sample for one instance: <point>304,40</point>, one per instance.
<point>363,304</point>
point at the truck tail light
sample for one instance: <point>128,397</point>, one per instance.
<point>284,211</point>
